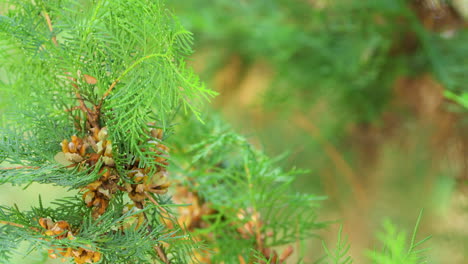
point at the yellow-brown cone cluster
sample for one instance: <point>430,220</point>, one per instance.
<point>89,150</point>
<point>62,230</point>
<point>251,229</point>
<point>99,192</point>
<point>95,149</point>
<point>143,179</point>
<point>95,146</point>
<point>191,215</point>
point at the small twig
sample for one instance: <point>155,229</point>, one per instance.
<point>49,24</point>
<point>155,202</point>
<point>258,234</point>
<point>98,107</point>
<point>110,89</point>
<point>83,106</point>
<point>77,122</point>
<point>18,225</point>
<point>298,234</point>
<point>241,259</point>
<point>19,168</point>
<point>92,116</point>
<point>11,223</point>
<point>162,255</point>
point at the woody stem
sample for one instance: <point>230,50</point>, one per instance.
<point>19,168</point>
<point>155,202</point>
<point>11,223</point>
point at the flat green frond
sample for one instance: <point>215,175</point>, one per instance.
<point>397,247</point>
<point>338,255</point>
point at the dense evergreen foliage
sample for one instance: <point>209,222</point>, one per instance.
<point>101,101</point>
<point>96,97</point>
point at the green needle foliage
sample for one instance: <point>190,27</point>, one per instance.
<point>111,76</point>
<point>340,254</point>
<point>241,184</point>
<point>397,247</point>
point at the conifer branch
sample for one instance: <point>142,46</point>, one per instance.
<point>92,116</point>
<point>113,147</point>
<point>158,249</point>
<point>336,157</point>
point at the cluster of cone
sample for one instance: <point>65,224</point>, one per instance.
<point>62,230</point>
<point>191,217</point>
<point>78,151</point>
<point>88,151</point>
<point>95,149</point>
<point>96,146</point>
<point>98,193</point>
<point>251,229</point>
<point>145,180</point>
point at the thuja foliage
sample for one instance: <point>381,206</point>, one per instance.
<point>224,169</point>
<point>96,97</point>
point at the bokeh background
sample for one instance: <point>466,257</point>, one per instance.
<point>370,96</point>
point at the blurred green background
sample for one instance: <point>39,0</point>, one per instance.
<point>370,96</point>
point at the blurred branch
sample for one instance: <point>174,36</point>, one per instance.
<point>341,164</point>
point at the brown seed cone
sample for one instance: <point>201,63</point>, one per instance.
<point>65,252</point>
<point>61,230</point>
<point>75,150</point>
<point>64,145</point>
<point>137,198</point>
<point>157,133</point>
<point>191,216</point>
<point>46,223</point>
<point>158,183</point>
<point>97,200</point>
<point>100,192</point>
<point>82,256</point>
